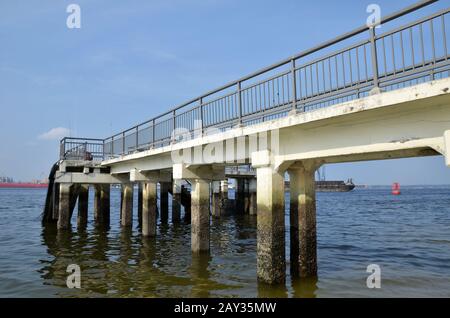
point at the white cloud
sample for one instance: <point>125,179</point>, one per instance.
<point>55,134</point>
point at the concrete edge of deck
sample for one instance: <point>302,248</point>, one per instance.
<point>377,101</point>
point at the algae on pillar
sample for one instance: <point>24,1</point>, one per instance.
<point>271,263</point>
<point>149,209</point>
<point>200,216</point>
<point>303,219</point>
<point>127,205</point>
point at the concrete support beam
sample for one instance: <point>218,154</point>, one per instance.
<point>253,206</point>
<point>144,176</point>
<point>164,200</point>
<point>176,201</point>
<point>271,263</point>
<point>216,199</point>
<point>149,209</point>
<point>83,203</point>
<point>200,216</point>
<point>303,220</point>
<point>127,205</point>
<point>64,207</point>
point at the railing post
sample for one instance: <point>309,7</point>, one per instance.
<point>174,118</point>
<point>137,138</point>
<point>373,45</point>
<point>61,148</point>
<point>112,146</point>
<point>153,133</point>
<point>294,87</point>
<point>123,143</point>
<point>201,115</point>
<point>239,92</point>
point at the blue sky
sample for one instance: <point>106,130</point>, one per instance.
<point>133,59</point>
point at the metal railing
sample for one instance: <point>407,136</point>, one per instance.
<point>330,73</point>
<point>81,149</point>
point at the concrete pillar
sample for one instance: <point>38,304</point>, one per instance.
<point>176,201</point>
<point>64,207</point>
<point>246,196</point>
<point>149,209</point>
<point>55,212</point>
<point>164,200</point>
<point>200,216</point>
<point>187,202</point>
<point>97,203</point>
<point>102,204</point>
<point>271,263</point>
<point>216,199</point>
<point>224,189</point>
<point>240,195</point>
<point>127,205</point>
<point>140,202</point>
<point>83,202</point>
<point>303,221</point>
<point>253,207</point>
<point>105,203</point>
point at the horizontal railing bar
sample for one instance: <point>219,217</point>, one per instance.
<point>343,37</point>
<point>413,24</point>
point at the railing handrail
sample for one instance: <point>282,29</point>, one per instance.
<point>285,61</point>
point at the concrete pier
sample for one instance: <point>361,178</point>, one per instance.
<point>105,194</point>
<point>271,263</point>
<point>64,207</point>
<point>102,204</point>
<point>200,216</point>
<point>253,205</point>
<point>239,195</point>
<point>176,201</point>
<point>149,209</point>
<point>164,200</point>
<point>216,199</point>
<point>127,205</point>
<point>140,202</point>
<point>55,212</point>
<point>303,220</point>
<point>83,203</point>
<point>186,202</point>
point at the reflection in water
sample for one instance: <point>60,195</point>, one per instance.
<point>123,263</point>
<point>119,262</point>
<point>200,275</point>
<point>304,287</point>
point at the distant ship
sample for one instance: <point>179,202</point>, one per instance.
<point>23,185</point>
<point>334,186</point>
<point>323,185</point>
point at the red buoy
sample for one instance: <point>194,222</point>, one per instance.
<point>395,188</point>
